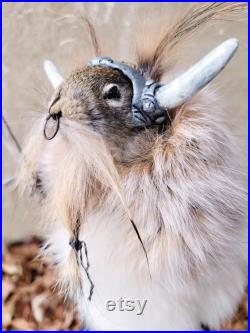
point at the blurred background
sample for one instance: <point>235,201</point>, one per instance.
<point>34,32</point>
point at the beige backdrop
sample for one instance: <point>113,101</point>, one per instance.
<point>33,32</point>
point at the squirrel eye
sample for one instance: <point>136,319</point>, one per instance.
<point>112,93</point>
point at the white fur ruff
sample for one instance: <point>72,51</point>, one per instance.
<point>189,210</point>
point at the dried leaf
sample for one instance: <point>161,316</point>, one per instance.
<point>36,303</point>
<point>7,314</point>
<point>22,324</point>
<point>7,288</point>
<point>12,269</point>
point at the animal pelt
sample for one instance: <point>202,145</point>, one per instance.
<point>179,185</point>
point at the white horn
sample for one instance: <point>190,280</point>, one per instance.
<point>198,76</point>
<point>54,76</point>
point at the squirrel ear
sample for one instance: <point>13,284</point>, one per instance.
<point>53,74</point>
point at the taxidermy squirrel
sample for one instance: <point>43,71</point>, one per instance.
<point>138,185</point>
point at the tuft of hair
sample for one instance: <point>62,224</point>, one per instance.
<point>92,35</point>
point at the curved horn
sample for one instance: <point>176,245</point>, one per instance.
<point>198,76</point>
<point>54,76</point>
